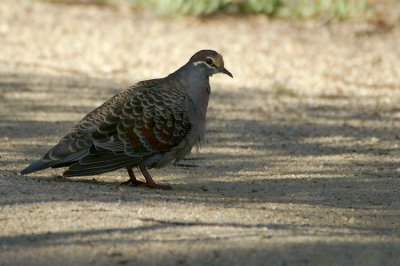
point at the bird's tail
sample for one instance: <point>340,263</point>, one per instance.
<point>100,161</point>
<point>47,162</point>
<point>36,166</point>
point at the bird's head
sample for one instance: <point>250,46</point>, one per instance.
<point>209,61</point>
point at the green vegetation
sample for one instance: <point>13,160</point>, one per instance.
<point>329,8</point>
<point>282,8</point>
<point>206,7</point>
<point>338,9</point>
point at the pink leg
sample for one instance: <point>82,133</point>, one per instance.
<point>132,179</point>
<point>149,180</point>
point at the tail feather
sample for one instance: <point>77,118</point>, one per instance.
<point>36,166</point>
<point>92,161</point>
<point>99,161</point>
<point>45,163</point>
<point>78,169</point>
<point>72,158</point>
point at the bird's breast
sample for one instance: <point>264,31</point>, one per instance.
<point>197,106</point>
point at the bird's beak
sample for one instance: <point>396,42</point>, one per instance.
<point>225,71</point>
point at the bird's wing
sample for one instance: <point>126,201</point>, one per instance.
<point>152,121</point>
<point>77,142</point>
<point>79,137</point>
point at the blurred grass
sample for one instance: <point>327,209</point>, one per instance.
<point>281,8</point>
<point>338,9</point>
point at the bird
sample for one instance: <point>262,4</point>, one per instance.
<point>148,125</point>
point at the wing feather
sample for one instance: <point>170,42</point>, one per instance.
<point>147,119</point>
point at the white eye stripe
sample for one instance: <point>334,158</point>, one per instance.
<point>204,63</point>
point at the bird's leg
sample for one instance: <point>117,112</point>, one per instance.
<point>149,180</point>
<point>132,179</point>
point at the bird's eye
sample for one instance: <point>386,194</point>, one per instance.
<point>209,61</point>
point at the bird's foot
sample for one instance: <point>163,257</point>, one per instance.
<point>150,182</point>
<point>138,183</point>
<point>133,182</point>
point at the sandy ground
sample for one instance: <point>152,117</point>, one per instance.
<point>301,164</point>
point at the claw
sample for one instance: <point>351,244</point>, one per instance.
<point>149,180</point>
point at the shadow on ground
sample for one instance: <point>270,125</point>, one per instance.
<point>271,251</point>
<point>261,148</point>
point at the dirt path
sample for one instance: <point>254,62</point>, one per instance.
<point>301,166</point>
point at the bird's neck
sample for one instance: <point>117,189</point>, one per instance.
<point>191,73</point>
<point>196,83</point>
